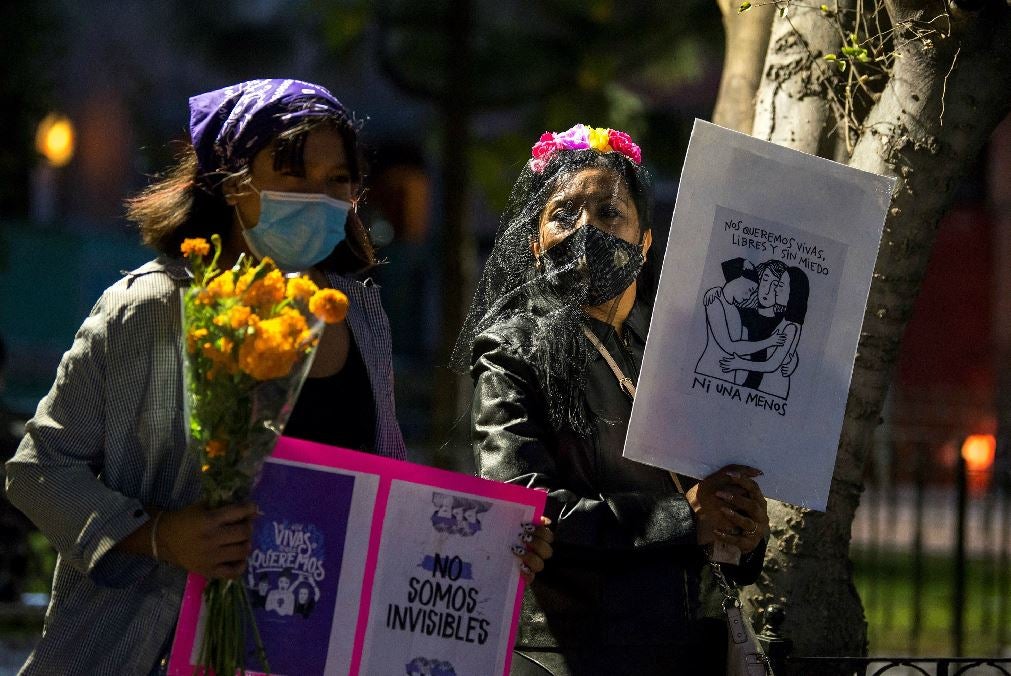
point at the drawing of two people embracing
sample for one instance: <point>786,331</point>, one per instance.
<point>753,325</point>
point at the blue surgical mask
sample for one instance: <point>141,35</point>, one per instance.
<point>297,230</point>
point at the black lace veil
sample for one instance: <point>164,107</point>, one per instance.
<point>543,300</point>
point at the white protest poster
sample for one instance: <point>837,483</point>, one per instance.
<point>442,600</point>
<point>755,327</point>
<point>367,565</point>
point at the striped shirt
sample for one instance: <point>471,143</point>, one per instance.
<point>109,439</point>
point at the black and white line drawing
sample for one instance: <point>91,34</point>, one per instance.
<point>753,325</point>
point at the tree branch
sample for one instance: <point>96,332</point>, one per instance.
<point>793,107</point>
<point>747,38</point>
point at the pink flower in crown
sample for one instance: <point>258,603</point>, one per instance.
<point>545,146</point>
<point>576,138</point>
<point>581,137</point>
<point>622,142</point>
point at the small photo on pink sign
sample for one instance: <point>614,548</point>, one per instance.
<point>366,565</point>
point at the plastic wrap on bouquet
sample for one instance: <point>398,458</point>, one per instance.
<point>249,338</point>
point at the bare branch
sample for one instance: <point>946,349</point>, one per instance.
<point>944,87</point>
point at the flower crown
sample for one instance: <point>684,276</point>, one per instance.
<point>581,137</point>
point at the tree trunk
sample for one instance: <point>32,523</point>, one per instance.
<point>792,108</point>
<point>931,120</point>
<point>457,241</point>
<point>747,38</point>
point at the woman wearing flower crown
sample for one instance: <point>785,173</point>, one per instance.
<point>275,168</point>
<point>554,341</point>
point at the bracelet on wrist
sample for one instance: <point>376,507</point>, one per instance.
<point>154,535</point>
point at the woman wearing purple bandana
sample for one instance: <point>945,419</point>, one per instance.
<point>275,168</point>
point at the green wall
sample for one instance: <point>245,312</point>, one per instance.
<point>49,279</point>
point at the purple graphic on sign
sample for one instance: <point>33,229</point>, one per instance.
<point>421,666</point>
<point>432,565</point>
<point>457,515</point>
<point>293,573</point>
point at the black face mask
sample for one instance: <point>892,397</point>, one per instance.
<point>609,263</point>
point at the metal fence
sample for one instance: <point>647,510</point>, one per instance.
<point>932,559</point>
<point>896,666</point>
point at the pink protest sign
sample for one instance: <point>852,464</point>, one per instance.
<point>366,565</point>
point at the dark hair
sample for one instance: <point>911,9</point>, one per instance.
<point>777,267</point>
<point>738,267</point>
<point>800,288</point>
<point>186,202</point>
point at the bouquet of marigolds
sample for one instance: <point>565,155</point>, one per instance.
<point>249,334</point>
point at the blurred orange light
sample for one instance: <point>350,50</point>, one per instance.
<point>978,452</point>
<point>54,139</point>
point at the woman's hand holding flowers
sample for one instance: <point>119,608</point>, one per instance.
<point>210,542</point>
<point>729,506</point>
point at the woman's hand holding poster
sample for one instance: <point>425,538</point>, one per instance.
<point>760,304</point>
<point>365,565</point>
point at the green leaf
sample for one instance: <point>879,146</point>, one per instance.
<point>842,66</point>
<point>830,57</point>
<point>745,6</point>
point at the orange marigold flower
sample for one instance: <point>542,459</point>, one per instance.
<point>220,355</point>
<point>236,317</point>
<point>301,288</point>
<point>215,448</point>
<point>244,280</point>
<point>266,291</point>
<point>330,305</point>
<point>195,245</point>
<point>194,337</point>
<point>272,349</point>
<point>221,286</point>
<point>239,316</point>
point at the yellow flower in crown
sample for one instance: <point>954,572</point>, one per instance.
<point>301,288</point>
<point>195,246</point>
<point>330,305</point>
<point>599,139</point>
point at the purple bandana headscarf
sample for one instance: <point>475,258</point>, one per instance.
<point>228,126</point>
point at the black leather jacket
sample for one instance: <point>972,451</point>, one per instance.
<point>626,570</point>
